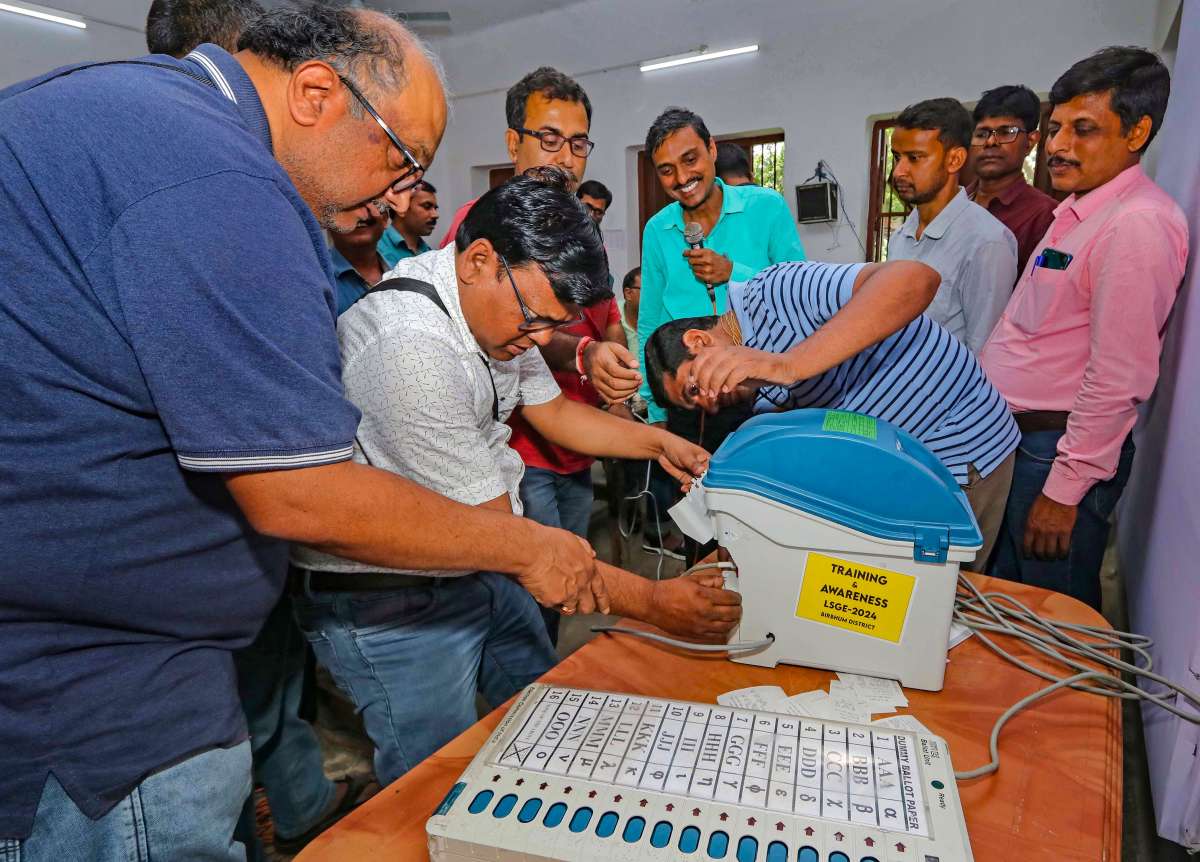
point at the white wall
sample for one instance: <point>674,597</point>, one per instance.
<point>824,68</point>
<point>29,47</point>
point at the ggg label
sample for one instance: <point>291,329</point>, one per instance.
<point>850,595</point>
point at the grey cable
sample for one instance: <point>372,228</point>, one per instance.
<point>738,646</point>
<point>1065,643</point>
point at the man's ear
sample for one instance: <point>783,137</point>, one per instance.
<point>1136,139</point>
<point>476,258</point>
<point>512,140</point>
<point>1031,141</point>
<point>315,93</point>
<point>694,339</point>
<point>956,159</point>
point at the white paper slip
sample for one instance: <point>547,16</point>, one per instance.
<point>769,698</point>
<point>806,703</point>
<point>873,690</point>
<point>904,722</point>
<point>958,634</point>
<point>842,709</point>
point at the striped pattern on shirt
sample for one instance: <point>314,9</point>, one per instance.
<point>921,378</point>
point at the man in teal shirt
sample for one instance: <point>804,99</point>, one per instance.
<point>405,236</point>
<point>746,229</point>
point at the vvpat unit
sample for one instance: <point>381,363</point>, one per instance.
<point>847,534</point>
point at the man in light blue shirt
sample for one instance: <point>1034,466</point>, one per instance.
<point>975,254</point>
<point>746,229</point>
<point>405,236</point>
<point>357,266</point>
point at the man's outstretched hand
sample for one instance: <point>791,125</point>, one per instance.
<point>695,607</point>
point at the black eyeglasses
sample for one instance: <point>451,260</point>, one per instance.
<point>1003,135</point>
<point>552,142</point>
<point>415,170</point>
<point>533,322</point>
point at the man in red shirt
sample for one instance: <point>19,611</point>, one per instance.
<point>1006,132</point>
<point>1077,348</point>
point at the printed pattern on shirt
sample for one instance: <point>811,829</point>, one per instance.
<point>921,378</point>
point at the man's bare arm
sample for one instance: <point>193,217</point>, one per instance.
<point>694,606</point>
<point>375,517</point>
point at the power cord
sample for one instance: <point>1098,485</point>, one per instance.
<point>1077,647</point>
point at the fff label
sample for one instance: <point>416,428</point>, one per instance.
<point>852,596</point>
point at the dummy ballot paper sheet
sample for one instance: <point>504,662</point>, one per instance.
<point>815,768</point>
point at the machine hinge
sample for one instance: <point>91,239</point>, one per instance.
<point>931,544</point>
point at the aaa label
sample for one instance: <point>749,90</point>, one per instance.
<point>852,596</point>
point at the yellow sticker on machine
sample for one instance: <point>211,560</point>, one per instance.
<point>853,596</point>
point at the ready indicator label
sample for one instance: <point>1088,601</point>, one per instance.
<point>853,596</point>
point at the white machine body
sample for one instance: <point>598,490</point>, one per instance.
<point>831,595</point>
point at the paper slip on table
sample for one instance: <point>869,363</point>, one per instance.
<point>1057,795</point>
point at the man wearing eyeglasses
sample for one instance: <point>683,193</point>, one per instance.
<point>436,366</point>
<point>1006,132</point>
<point>973,252</point>
<point>175,417</point>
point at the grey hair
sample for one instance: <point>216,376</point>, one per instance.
<point>350,40</point>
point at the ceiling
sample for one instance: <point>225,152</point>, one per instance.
<point>465,15</point>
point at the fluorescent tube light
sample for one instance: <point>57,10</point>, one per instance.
<point>45,13</point>
<point>698,56</point>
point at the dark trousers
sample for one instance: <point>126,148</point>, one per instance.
<point>709,432</point>
<point>1079,574</point>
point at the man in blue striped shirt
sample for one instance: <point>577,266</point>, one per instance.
<point>851,337</point>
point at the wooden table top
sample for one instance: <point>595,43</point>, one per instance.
<point>1057,795</point>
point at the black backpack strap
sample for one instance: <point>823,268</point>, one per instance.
<point>427,290</point>
<point>411,285</point>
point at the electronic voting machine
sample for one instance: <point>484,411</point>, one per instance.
<point>590,776</point>
<point>846,534</point>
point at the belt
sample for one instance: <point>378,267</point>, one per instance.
<point>1042,420</point>
<point>352,582</point>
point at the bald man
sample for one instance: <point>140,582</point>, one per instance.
<point>178,415</point>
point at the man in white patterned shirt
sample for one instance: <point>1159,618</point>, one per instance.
<point>436,364</point>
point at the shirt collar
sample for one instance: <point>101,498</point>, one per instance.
<point>732,201</point>
<point>1098,197</point>
<point>1005,197</point>
<point>340,265</point>
<point>232,81</point>
<point>942,221</point>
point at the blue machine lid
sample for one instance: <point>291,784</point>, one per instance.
<point>853,470</point>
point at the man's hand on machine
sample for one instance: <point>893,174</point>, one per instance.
<point>717,371</point>
<point>563,574</point>
<point>612,369</point>
<point>681,459</point>
<point>696,607</point>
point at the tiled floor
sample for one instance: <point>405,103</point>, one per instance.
<point>346,751</point>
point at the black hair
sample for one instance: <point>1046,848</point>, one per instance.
<point>175,27</point>
<point>536,220</point>
<point>670,121</point>
<point>627,281</point>
<point>425,186</point>
<point>947,116</point>
<point>1138,81</point>
<point>595,189</point>
<point>1011,100</point>
<point>552,84</point>
<point>733,159</point>
<point>350,40</point>
<point>665,352</point>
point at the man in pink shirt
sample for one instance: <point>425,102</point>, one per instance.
<point>1077,348</point>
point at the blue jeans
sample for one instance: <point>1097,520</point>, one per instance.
<point>187,811</point>
<point>287,754</point>
<point>412,659</point>
<point>1079,574</point>
<point>557,500</point>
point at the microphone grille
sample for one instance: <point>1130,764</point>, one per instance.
<point>693,233</point>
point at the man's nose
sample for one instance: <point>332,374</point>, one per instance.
<point>398,201</point>
<point>541,337</point>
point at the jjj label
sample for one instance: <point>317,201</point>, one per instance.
<point>852,596</point>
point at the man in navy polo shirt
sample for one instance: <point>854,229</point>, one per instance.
<point>172,413</point>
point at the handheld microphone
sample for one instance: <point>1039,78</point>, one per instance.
<point>693,235</point>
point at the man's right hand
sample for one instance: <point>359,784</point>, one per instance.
<point>696,607</point>
<point>612,369</point>
<point>563,574</point>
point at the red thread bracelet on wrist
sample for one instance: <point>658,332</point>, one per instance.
<point>579,348</point>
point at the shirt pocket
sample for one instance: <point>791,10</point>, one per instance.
<point>1044,302</point>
